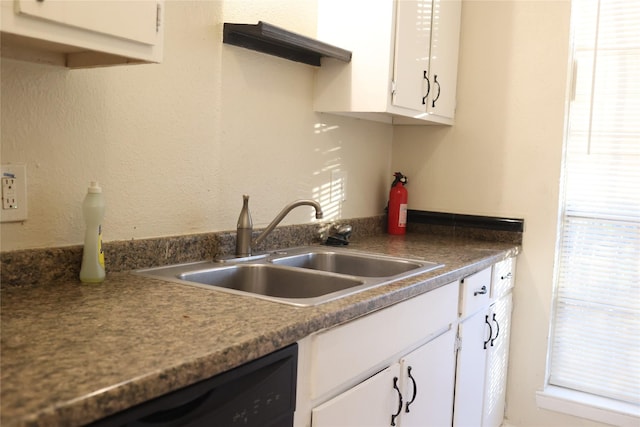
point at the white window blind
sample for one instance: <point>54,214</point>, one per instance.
<point>595,345</point>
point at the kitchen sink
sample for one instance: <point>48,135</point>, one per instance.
<point>302,276</point>
<point>346,263</point>
<point>270,280</point>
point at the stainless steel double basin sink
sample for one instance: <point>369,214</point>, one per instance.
<point>302,276</point>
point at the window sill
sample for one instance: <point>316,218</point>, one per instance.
<point>588,406</point>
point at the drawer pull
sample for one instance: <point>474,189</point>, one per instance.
<point>482,291</point>
<point>506,276</point>
<point>394,416</point>
<point>415,389</point>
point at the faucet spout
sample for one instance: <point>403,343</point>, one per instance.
<point>244,242</point>
<point>283,213</point>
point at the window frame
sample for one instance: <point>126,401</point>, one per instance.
<point>558,398</point>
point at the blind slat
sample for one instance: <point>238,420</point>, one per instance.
<point>596,332</point>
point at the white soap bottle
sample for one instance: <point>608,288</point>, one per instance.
<point>92,269</point>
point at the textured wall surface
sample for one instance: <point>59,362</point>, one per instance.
<point>175,145</point>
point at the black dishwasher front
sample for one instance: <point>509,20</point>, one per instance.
<point>260,393</point>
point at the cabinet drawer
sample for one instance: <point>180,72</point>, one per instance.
<point>503,278</point>
<point>475,292</point>
<point>345,352</point>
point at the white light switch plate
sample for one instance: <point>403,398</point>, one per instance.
<point>13,184</point>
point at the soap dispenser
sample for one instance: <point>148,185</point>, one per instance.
<point>93,206</point>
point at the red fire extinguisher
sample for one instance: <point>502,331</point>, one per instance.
<point>397,218</point>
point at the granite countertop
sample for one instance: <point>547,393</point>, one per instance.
<point>73,353</point>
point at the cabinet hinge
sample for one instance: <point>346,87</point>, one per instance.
<point>457,345</point>
<point>158,17</point>
<point>393,87</point>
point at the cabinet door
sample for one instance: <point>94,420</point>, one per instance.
<point>411,58</point>
<point>443,65</point>
<point>429,376</point>
<point>497,362</point>
<point>131,20</point>
<point>371,403</point>
<point>475,338</point>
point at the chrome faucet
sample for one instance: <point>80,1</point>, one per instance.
<point>244,241</point>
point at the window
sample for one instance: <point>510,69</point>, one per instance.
<point>595,340</point>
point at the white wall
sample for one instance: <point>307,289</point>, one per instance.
<point>176,145</point>
<point>502,158</point>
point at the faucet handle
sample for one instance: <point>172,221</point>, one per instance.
<point>244,220</point>
<point>244,229</point>
<point>336,234</point>
<point>342,230</point>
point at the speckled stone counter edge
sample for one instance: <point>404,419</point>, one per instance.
<point>49,265</point>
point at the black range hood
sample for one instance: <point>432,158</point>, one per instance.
<point>267,38</point>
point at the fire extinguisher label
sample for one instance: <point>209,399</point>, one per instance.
<point>402,220</point>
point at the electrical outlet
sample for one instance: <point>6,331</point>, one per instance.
<point>9,193</point>
<point>14,192</point>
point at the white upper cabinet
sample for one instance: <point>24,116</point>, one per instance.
<point>404,64</point>
<point>80,34</point>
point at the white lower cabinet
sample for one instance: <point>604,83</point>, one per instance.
<point>484,333</point>
<point>392,367</point>
<point>436,360</point>
<point>496,367</point>
<point>415,391</point>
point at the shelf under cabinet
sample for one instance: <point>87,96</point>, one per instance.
<point>267,38</point>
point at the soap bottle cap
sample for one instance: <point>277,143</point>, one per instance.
<point>94,187</point>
